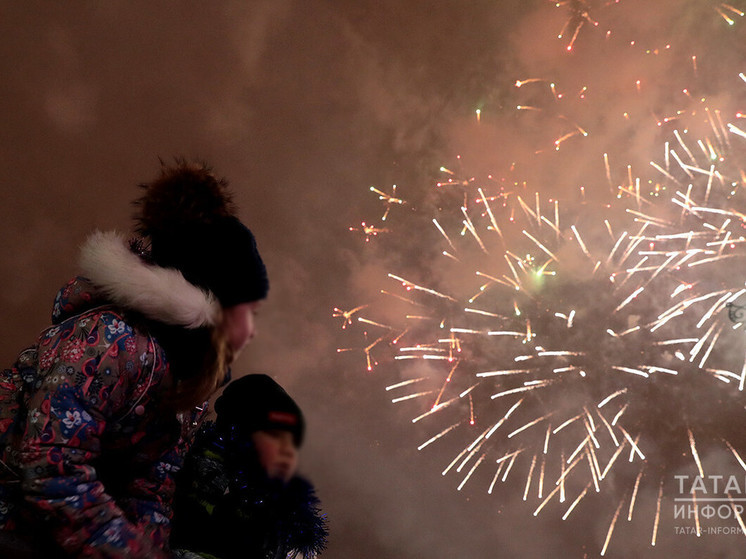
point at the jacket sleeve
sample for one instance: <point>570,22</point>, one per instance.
<point>88,379</point>
<point>149,496</point>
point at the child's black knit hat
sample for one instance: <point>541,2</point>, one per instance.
<point>257,403</point>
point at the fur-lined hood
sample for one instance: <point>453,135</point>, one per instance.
<point>117,275</point>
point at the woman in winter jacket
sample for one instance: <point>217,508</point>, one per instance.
<point>96,416</point>
<point>238,495</point>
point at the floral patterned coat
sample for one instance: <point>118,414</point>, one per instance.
<point>88,453</point>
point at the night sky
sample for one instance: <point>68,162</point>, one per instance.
<point>303,106</point>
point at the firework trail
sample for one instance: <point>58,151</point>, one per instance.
<point>579,349</point>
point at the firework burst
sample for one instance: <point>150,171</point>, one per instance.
<point>537,340</point>
<point>582,352</point>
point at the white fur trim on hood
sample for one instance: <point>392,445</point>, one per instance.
<point>161,294</point>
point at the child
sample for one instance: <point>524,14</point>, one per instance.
<point>238,495</point>
<point>94,417</point>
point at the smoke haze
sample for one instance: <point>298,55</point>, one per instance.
<point>303,106</point>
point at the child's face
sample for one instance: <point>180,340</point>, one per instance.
<point>278,454</point>
<point>238,325</point>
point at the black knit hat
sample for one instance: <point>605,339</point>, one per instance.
<point>189,217</point>
<point>256,402</point>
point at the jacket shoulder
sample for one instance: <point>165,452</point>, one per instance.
<point>102,352</point>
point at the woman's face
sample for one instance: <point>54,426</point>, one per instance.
<point>238,325</point>
<point>278,454</point>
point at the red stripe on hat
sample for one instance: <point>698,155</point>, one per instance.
<point>283,417</point>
